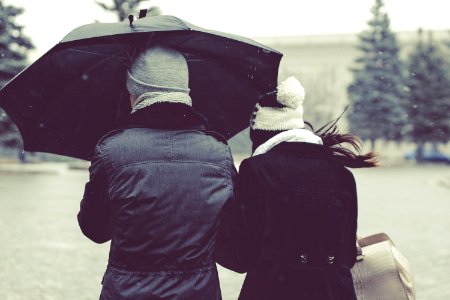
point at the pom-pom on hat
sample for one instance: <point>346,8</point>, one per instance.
<point>283,114</point>
<point>160,69</point>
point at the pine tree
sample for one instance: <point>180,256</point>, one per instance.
<point>13,58</point>
<point>377,94</point>
<point>123,8</point>
<point>429,94</point>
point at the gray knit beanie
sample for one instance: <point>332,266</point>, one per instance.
<point>160,73</point>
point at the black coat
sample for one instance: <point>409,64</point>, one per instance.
<point>292,225</point>
<point>156,190</point>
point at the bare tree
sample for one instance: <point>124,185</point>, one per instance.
<point>321,104</point>
<point>124,8</point>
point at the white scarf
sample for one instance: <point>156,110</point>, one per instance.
<point>293,135</point>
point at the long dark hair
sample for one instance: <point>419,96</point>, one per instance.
<point>348,156</point>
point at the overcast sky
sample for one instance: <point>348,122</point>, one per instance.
<point>48,21</point>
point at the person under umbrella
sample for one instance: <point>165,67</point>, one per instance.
<point>156,188</point>
<point>292,225</point>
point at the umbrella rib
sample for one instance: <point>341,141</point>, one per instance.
<point>127,53</point>
<point>234,73</point>
<point>87,52</point>
<point>106,57</point>
<point>130,57</point>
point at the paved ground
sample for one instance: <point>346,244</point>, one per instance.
<point>43,255</point>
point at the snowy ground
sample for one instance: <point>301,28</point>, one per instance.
<point>43,255</point>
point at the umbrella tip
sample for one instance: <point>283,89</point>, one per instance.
<point>131,19</point>
<point>142,13</point>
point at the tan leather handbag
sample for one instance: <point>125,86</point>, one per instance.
<point>381,271</point>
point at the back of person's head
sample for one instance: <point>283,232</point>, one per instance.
<point>278,112</point>
<point>283,112</point>
<point>160,73</point>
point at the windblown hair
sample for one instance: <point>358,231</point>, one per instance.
<point>348,156</point>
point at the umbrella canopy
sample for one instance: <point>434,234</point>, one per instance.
<point>75,93</point>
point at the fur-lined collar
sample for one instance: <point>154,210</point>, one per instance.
<point>293,135</point>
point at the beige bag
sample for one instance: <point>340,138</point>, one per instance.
<point>381,272</point>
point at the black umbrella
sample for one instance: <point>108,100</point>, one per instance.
<point>75,93</point>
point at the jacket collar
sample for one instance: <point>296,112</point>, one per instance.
<point>173,116</point>
<point>292,135</point>
<point>304,149</point>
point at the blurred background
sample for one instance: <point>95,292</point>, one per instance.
<point>387,62</point>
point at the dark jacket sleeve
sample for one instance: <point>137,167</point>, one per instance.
<point>94,218</point>
<point>240,232</point>
<point>351,238</point>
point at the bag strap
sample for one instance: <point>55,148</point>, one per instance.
<point>369,240</point>
<point>373,239</point>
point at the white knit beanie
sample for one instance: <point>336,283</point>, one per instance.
<point>290,94</point>
<point>160,71</point>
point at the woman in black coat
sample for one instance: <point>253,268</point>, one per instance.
<point>292,225</point>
